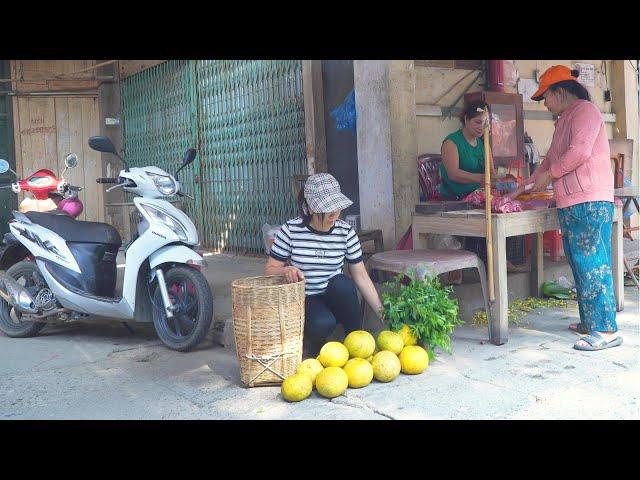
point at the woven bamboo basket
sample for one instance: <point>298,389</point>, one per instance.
<point>268,325</point>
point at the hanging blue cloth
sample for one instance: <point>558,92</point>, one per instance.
<point>345,113</point>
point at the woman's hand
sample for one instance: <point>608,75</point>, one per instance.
<point>516,193</point>
<point>542,182</point>
<point>293,274</point>
<point>365,285</point>
<point>278,267</point>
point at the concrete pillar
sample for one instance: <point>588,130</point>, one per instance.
<point>387,145</point>
<point>404,144</point>
<point>375,167</point>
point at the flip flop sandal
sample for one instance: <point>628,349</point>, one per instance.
<point>597,342</point>
<point>579,328</point>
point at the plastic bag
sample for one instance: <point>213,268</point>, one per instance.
<point>629,211</point>
<point>554,290</point>
<point>564,282</point>
<point>345,114</point>
<point>269,235</point>
<point>406,242</point>
<point>437,241</point>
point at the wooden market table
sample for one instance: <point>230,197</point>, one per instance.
<point>628,195</point>
<point>471,223</point>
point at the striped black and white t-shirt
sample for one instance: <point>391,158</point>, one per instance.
<point>319,255</point>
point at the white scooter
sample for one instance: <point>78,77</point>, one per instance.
<point>73,274</point>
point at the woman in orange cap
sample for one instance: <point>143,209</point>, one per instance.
<point>579,166</point>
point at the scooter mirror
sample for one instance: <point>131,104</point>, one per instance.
<point>71,160</point>
<point>102,144</point>
<point>189,156</point>
<point>4,166</point>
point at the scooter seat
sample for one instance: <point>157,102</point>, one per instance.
<point>74,230</point>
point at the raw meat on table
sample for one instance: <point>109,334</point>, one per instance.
<point>499,204</point>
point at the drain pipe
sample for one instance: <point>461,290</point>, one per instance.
<point>496,75</point>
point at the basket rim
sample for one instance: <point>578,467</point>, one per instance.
<point>235,283</point>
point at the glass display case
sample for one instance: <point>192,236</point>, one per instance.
<point>507,126</point>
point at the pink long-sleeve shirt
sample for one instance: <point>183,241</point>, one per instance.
<point>579,157</point>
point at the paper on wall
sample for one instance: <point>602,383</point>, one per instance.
<point>587,74</point>
<point>527,87</point>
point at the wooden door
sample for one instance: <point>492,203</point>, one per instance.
<point>46,129</point>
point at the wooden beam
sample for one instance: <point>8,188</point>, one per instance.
<point>499,325</point>
<point>314,116</point>
<point>426,110</point>
<point>537,264</point>
<point>29,76</point>
<point>131,67</point>
<point>451,64</point>
<point>617,256</point>
<point>92,67</point>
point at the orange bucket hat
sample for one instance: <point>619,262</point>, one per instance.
<point>555,74</point>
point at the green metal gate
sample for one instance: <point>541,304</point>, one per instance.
<point>8,200</point>
<point>246,119</point>
<point>160,122</point>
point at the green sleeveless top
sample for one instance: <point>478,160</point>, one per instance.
<point>471,160</point>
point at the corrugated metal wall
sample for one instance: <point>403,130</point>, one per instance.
<point>246,118</point>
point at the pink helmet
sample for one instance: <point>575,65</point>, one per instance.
<point>71,206</point>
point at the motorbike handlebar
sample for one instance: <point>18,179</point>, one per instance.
<point>107,180</point>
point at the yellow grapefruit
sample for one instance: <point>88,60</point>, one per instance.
<point>360,344</point>
<point>359,372</point>
<point>333,354</point>
<point>413,359</point>
<point>407,337</point>
<point>386,366</point>
<point>391,341</point>
<point>332,382</point>
<point>310,367</point>
<point>296,387</point>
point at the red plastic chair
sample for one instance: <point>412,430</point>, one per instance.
<point>429,175</point>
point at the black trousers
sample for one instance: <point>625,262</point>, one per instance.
<point>338,304</point>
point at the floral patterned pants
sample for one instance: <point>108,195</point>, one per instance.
<point>586,237</point>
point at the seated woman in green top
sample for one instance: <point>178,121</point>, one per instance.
<point>462,167</point>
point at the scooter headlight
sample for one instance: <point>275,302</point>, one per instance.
<point>163,218</point>
<point>165,185</point>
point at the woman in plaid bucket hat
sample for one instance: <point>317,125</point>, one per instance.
<point>314,247</point>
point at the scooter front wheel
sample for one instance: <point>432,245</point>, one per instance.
<point>192,301</point>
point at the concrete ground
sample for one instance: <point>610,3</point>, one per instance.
<point>82,371</point>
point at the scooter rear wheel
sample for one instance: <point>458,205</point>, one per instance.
<point>190,293</point>
<point>26,274</point>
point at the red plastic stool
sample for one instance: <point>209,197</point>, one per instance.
<point>551,244</point>
<point>552,241</point>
